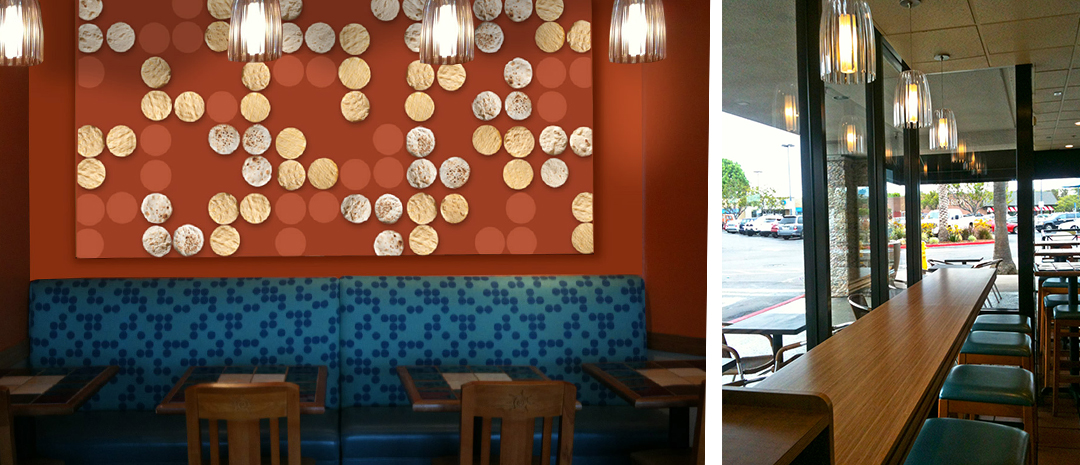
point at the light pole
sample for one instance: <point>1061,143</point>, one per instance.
<point>761,202</point>
<point>791,198</point>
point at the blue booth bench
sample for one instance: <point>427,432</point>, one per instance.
<point>361,328</point>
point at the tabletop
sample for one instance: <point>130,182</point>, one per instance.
<point>962,261</point>
<point>310,379</point>
<point>942,266</point>
<point>1064,242</point>
<point>1057,269</point>
<point>653,384</point>
<point>53,391</point>
<point>1057,253</point>
<point>770,323</point>
<point>438,388</point>
<point>884,372</point>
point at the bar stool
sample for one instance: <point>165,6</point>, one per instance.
<point>1064,321</point>
<point>997,348</point>
<point>1048,287</point>
<point>947,441</point>
<point>1050,303</point>
<point>1001,322</point>
<point>1004,391</point>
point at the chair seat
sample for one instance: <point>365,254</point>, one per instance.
<point>752,364</point>
<point>266,460</point>
<point>1055,300</point>
<point>395,433</point>
<point>1002,322</point>
<point>997,343</point>
<point>948,441</point>
<point>113,437</point>
<point>990,384</point>
<point>1055,282</point>
<point>1063,313</point>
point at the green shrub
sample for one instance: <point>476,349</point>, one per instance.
<point>982,233</point>
<point>932,240</point>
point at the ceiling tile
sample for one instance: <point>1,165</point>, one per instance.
<point>1051,79</point>
<point>1069,116</point>
<point>1044,60</point>
<point>1072,93</point>
<point>993,11</point>
<point>1030,34</point>
<point>1046,95</point>
<point>1070,105</point>
<point>961,42</point>
<point>1046,107</point>
<point>892,18</point>
<point>961,64</point>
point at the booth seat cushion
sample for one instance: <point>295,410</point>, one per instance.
<point>114,437</point>
<point>555,323</point>
<point>154,329</point>
<point>400,435</point>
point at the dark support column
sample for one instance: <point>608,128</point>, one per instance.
<point>814,180</point>
<point>913,204</point>
<point>1025,194</point>
<point>875,150</point>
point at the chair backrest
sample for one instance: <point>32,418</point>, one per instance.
<point>7,429</point>
<point>518,404</point>
<point>242,406</point>
<point>988,264</point>
<point>858,305</point>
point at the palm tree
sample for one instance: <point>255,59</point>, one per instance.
<point>943,212</point>
<point>1001,236</point>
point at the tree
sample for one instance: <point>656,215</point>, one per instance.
<point>929,200</point>
<point>971,196</point>
<point>734,187</point>
<point>1067,203</point>
<point>1001,236</point>
<point>943,212</point>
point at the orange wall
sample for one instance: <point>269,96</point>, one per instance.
<point>14,206</point>
<point>677,289</point>
<point>676,122</point>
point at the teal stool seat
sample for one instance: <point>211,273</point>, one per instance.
<point>1063,313</point>
<point>990,384</point>
<point>997,343</point>
<point>1005,323</point>
<point>949,441</point>
<point>1054,300</point>
<point>1055,282</point>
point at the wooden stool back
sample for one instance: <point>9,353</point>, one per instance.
<point>7,429</point>
<point>518,404</point>
<point>242,406</point>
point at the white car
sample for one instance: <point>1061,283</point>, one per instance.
<point>763,225</point>
<point>1070,225</point>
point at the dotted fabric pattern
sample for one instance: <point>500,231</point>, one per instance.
<point>154,329</point>
<point>554,322</point>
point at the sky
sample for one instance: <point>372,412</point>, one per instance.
<point>759,147</point>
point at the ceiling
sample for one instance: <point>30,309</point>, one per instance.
<point>989,36</point>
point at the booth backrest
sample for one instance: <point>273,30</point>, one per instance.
<point>553,322</point>
<point>154,329</point>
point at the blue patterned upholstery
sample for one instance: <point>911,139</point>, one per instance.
<point>155,328</point>
<point>553,322</point>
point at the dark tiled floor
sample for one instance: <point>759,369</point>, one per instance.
<point>1059,436</point>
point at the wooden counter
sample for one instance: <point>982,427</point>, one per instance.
<point>883,372</point>
<point>797,427</point>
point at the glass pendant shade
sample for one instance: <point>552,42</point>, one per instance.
<point>786,109</point>
<point>638,32</point>
<point>255,31</point>
<point>848,47</point>
<point>447,33</point>
<point>852,141</point>
<point>911,108</point>
<point>22,40</point>
<point>943,131</point>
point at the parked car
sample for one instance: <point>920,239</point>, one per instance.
<point>732,226</point>
<point>1040,219</point>
<point>791,227</point>
<point>1057,219</point>
<point>1069,225</point>
<point>955,219</point>
<point>746,226</point>
<point>762,226</point>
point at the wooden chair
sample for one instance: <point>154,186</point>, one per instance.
<point>750,365</point>
<point>7,435</point>
<point>692,456</point>
<point>859,307</point>
<point>518,404</point>
<point>242,406</point>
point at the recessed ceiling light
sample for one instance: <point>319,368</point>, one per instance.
<point>1068,146</point>
<point>1077,123</point>
<point>742,103</point>
<point>1057,93</point>
<point>840,97</point>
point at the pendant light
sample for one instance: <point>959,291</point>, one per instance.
<point>911,107</point>
<point>847,43</point>
<point>786,108</point>
<point>852,141</point>
<point>255,31</point>
<point>22,40</point>
<point>943,131</point>
<point>447,33</point>
<point>638,32</point>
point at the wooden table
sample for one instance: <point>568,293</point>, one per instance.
<point>962,261</point>
<point>797,426</point>
<point>775,324</point>
<point>1059,254</point>
<point>942,266</point>
<point>438,388</point>
<point>310,379</point>
<point>883,373</point>
<point>53,391</point>
<point>1070,242</point>
<point>670,384</point>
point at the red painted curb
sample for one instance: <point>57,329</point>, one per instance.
<point>954,244</point>
<point>766,309</point>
